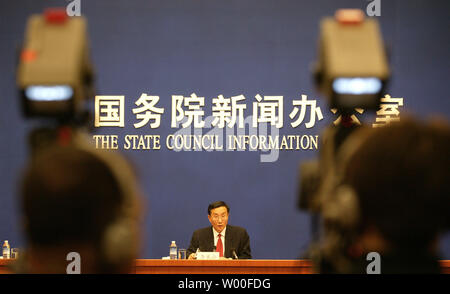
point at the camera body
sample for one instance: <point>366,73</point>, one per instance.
<point>54,73</point>
<point>352,68</point>
<point>351,72</point>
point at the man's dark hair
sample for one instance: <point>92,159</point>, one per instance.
<point>68,195</point>
<point>401,177</point>
<point>217,204</point>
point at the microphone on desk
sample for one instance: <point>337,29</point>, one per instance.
<point>233,253</point>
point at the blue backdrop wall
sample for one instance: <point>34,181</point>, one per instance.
<point>249,47</point>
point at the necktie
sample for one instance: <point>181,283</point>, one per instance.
<point>219,247</point>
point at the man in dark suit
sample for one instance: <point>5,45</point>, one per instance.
<point>229,241</point>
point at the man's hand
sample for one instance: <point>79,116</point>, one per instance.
<point>192,256</point>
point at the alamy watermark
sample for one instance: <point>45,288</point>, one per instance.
<point>73,8</point>
<point>74,266</point>
<point>374,8</point>
<point>374,267</point>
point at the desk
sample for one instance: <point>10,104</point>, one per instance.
<point>248,266</point>
<point>251,266</point>
<point>4,265</point>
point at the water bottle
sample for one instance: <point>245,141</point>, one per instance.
<point>173,250</point>
<point>6,250</point>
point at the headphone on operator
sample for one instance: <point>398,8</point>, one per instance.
<point>118,243</point>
